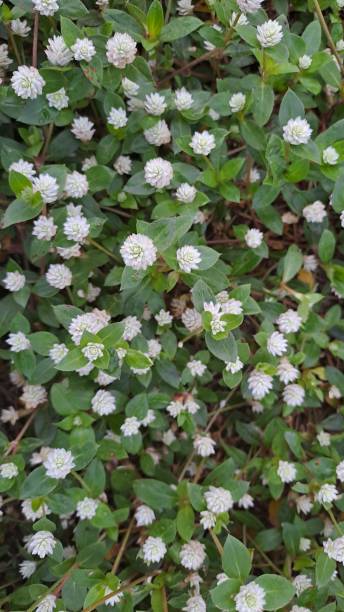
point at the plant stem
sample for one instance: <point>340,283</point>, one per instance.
<point>12,449</point>
<point>81,481</point>
<point>123,589</point>
<point>104,249</point>
<point>35,39</point>
<point>328,34</point>
<point>216,542</point>
<point>334,521</point>
<point>168,10</point>
<point>118,559</point>
<point>13,44</point>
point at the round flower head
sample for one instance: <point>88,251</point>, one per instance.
<point>76,185</point>
<point>218,500</point>
<point>269,33</point>
<point>45,7</point>
<point>304,62</point>
<point>251,598</point>
<point>27,568</point>
<point>153,550</point>
<point>297,131</point>
<point>130,427</point>
<point>277,344</point>
<point>259,384</point>
<point>184,7</point>
<point>155,104</point>
<point>327,494</point>
<point>5,61</point>
<point>83,129</point>
<point>48,604</point>
<point>249,6</point>
<point>158,135</point>
<point>59,463</point>
<point>129,87</point>
<point>144,516</point>
<point>20,27</point>
<point>86,508</point>
<point>33,396</point>
<point>93,351</point>
<point>123,164</point>
<point>120,50</point>
<point>192,555</point>
<point>103,403</point>
<point>132,327</point>
<point>47,187</point>
<point>158,173</point>
<point>335,549</point>
<point>204,446</point>
<point>18,342</point>
<point>31,514</point>
<point>76,227</point>
<point>57,51</point>
<point>246,501</point>
<point>188,258</point>
<point>289,322</point>
<point>315,213</point>
<point>202,143</point>
<point>59,276</point>
<point>23,167</point>
<point>192,319</point>
<point>8,470</point>
<point>302,583</point>
<point>286,372</point>
<point>237,102</point>
<point>294,395</point>
<point>208,519</point>
<point>138,252</point>
<point>58,352</point>
<point>58,99</point>
<point>330,156</point>
<point>83,49</point>
<point>42,544</point>
<point>27,82</point>
<point>117,118</point>
<point>14,281</point>
<point>253,238</point>
<point>234,366</point>
<point>44,228</point>
<point>340,471</point>
<point>286,471</point>
<point>183,99</point>
<point>186,193</point>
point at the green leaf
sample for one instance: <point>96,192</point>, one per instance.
<point>179,27</point>
<point>327,246</point>
<point>185,522</point>
<point>292,263</point>
<point>73,361</point>
<point>37,484</point>
<point>70,32</point>
<point>226,349</point>
<point>20,210</point>
<point>155,20</point>
<point>18,182</point>
<point>291,107</point>
<point>264,98</point>
<point>278,591</point>
<point>324,569</point>
<point>338,194</point>
<point>156,494</point>
<point>236,560</point>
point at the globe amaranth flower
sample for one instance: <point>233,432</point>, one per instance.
<point>18,342</point>
<point>335,549</point>
<point>5,61</point>
<point>153,550</point>
<point>269,33</point>
<point>251,598</point>
<point>83,49</point>
<point>289,322</point>
<point>27,82</point>
<point>86,508</point>
<point>76,185</point>
<point>138,252</point>
<point>144,516</point>
<point>47,186</point>
<point>48,604</point>
<point>34,514</point>
<point>117,118</point>
<point>132,327</point>
<point>154,348</point>
<point>123,165</point>
<point>44,228</point>
<point>9,415</point>
<point>42,544</point>
<point>196,367</point>
<point>59,276</point>
<point>163,317</point>
<point>130,427</point>
<point>286,471</point>
<point>8,470</point>
<point>45,7</point>
<point>286,372</point>
<point>259,384</point>
<point>310,263</point>
<point>103,403</point>
<point>184,7</point>
<point>327,494</point>
<point>324,438</point>
<point>158,135</point>
<point>58,99</point>
<point>192,319</point>
<point>204,445</point>
<point>20,27</point>
<point>236,20</point>
<point>330,156</point>
<point>186,193</point>
<point>254,238</point>
<point>155,104</point>
<point>202,143</point>
<point>58,352</point>
<point>130,88</point>
<point>14,281</point>
<point>188,258</point>
<point>83,129</point>
<point>315,213</point>
<point>304,62</point>
<point>27,568</point>
<point>237,102</point>
<point>246,501</point>
<point>302,583</point>
<point>33,396</point>
<point>23,167</point>
<point>121,50</point>
<point>218,500</point>
<point>59,463</point>
<point>77,228</point>
<point>158,172</point>
<point>294,395</point>
<point>208,519</point>
<point>192,555</point>
<point>183,99</point>
<point>57,51</point>
<point>276,344</point>
<point>249,6</point>
<point>93,351</point>
<point>297,131</point>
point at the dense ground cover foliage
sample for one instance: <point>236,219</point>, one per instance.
<point>172,200</point>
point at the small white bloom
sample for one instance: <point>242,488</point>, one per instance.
<point>120,50</point>
<point>158,135</point>
<point>33,396</point>
<point>163,318</point>
<point>335,549</point>
<point>192,319</point>
<point>18,342</point>
<point>202,143</point>
<point>132,327</point>
<point>289,322</point>
<point>8,470</point>
<point>324,438</point>
<point>59,276</point>
<point>330,156</point>
<point>340,471</point>
<point>204,445</point>
<point>302,583</point>
<point>48,604</point>
<point>27,82</point>
<point>47,186</point>
<point>117,118</point>
<point>249,6</point>
<point>89,162</point>
<point>76,228</point>
<point>259,384</point>
<point>304,62</point>
<point>58,352</point>
<point>155,104</point>
<point>286,372</point>
<point>158,172</point>
<point>83,49</point>
<point>103,379</point>
<point>315,213</point>
<point>192,555</point>
<point>83,129</point>
<point>9,415</point>
<point>123,164</point>
<point>251,598</point>
<point>183,99</point>
<point>103,403</point>
<point>286,471</point>
<point>234,366</point>
<point>31,514</point>
<point>86,508</point>
<point>59,463</point>
<point>138,252</point>
<point>297,131</point>
<point>44,228</point>
<point>188,258</point>
<point>208,519</point>
<point>299,609</point>
<point>154,348</point>
<point>237,102</point>
<point>175,408</point>
<point>93,351</point>
<point>144,516</point>
<point>186,193</point>
<point>129,87</point>
<point>310,263</point>
<point>76,185</point>
<point>254,238</point>
<point>14,281</point>
<point>246,501</point>
<point>218,500</point>
<point>112,601</point>
<point>196,367</point>
<point>20,27</point>
<point>41,543</point>
<point>235,21</point>
<point>45,7</point>
<point>153,550</point>
<point>23,167</point>
<point>294,395</point>
<point>304,504</point>
<point>305,544</point>
<point>57,51</point>
<point>340,45</point>
<point>184,7</point>
<point>277,344</point>
<point>27,568</point>
<point>334,392</point>
<point>69,252</point>
<point>327,494</point>
<point>58,99</point>
<point>269,33</point>
<point>130,427</point>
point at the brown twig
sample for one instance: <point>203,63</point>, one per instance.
<point>35,39</point>
<point>12,448</point>
<point>121,551</point>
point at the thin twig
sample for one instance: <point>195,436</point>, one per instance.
<point>104,249</point>
<point>35,39</point>
<point>119,556</point>
<point>12,449</point>
<point>13,43</point>
<point>328,35</point>
<point>122,589</point>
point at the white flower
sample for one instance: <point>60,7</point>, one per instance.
<point>103,379</point>
<point>183,99</point>
<point>8,470</point>
<point>286,372</point>
<point>196,367</point>
<point>327,494</point>
<point>158,135</point>
<point>163,318</point>
<point>58,352</point>
<point>31,514</point>
<point>293,395</point>
<point>76,228</point>
<point>234,366</point>
<point>304,62</point>
<point>117,118</point>
<point>175,408</point>
<point>154,348</point>
<point>289,218</point>
<point>158,172</point>
<point>129,87</point>
<point>269,33</point>
<point>45,7</point>
<point>9,415</point>
<point>186,193</point>
<point>184,7</point>
<point>59,463</point>
<point>85,370</point>
<point>154,550</point>
<point>324,438</point>
<point>204,445</point>
<point>251,598</point>
<point>92,322</point>
<point>83,49</point>
<point>231,306</point>
<point>41,543</point>
<point>130,427</point>
<point>59,276</point>
<point>23,167</point>
<point>44,228</point>
<point>277,344</point>
<point>202,143</point>
<point>234,20</point>
<point>144,516</point>
<point>254,238</point>
<point>14,281</point>
<point>299,609</point>
<point>208,519</point>
<point>315,213</point>
<point>57,51</point>
<point>192,319</point>
<point>18,342</point>
<point>27,82</point>
<point>340,471</point>
<point>103,403</point>
<point>112,601</point>
<point>304,504</point>
<point>33,396</point>
<point>259,384</point>
<point>123,164</point>
<point>87,508</point>
<point>310,263</point>
<point>168,437</point>
<point>297,131</point>
<point>305,544</point>
<point>246,501</point>
<point>138,252</point>
<point>27,568</point>
<point>286,471</point>
<point>48,604</point>
<point>83,129</point>
<point>89,162</point>
<point>93,351</point>
<point>237,102</point>
<point>188,258</point>
<point>289,322</point>
<point>218,500</point>
<point>47,186</point>
<point>5,61</point>
<point>121,50</point>
<point>302,583</point>
<point>192,555</point>
<point>155,104</point>
<point>340,45</point>
<point>76,185</point>
<point>132,327</point>
<point>20,27</point>
<point>249,6</point>
<point>58,99</point>
<point>335,549</point>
